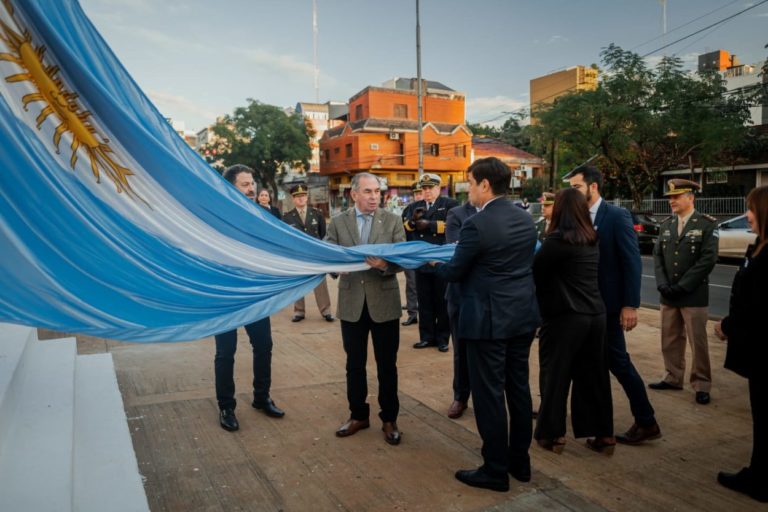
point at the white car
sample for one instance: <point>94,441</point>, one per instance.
<point>735,237</point>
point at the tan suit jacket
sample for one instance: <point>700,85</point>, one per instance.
<point>379,289</point>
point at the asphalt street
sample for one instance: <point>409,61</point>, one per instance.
<point>719,287</point>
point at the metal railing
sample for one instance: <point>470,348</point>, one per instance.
<point>721,207</point>
<point>715,206</point>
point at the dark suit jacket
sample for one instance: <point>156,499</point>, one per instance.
<point>492,263</point>
<point>566,278</point>
<point>453,222</point>
<point>745,325</point>
<point>620,267</point>
<point>274,211</point>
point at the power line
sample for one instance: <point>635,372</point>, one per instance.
<point>706,28</point>
<point>684,24</point>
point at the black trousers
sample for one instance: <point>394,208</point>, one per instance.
<point>571,352</point>
<point>461,388</point>
<point>386,341</point>
<point>758,398</point>
<point>622,368</point>
<point>499,368</point>
<point>260,336</point>
<point>433,310</point>
<point>411,295</point>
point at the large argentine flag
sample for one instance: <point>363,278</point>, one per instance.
<point>109,224</point>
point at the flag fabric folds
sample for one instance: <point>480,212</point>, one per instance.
<point>110,225</point>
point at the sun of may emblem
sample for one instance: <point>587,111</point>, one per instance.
<point>62,104</point>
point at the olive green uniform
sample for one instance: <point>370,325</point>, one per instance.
<point>686,260</point>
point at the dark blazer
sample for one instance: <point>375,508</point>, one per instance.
<point>315,225</point>
<point>686,260</point>
<point>274,211</point>
<point>566,277</point>
<point>492,263</point>
<point>436,215</point>
<point>453,222</point>
<point>745,324</point>
<point>620,268</point>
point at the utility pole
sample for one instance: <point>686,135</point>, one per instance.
<point>418,91</point>
<point>314,48</point>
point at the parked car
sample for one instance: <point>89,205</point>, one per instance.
<point>735,237</point>
<point>647,229</point>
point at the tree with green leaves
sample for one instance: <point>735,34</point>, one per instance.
<point>643,121</point>
<point>262,137</point>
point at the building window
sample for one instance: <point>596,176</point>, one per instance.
<point>401,111</point>
<point>460,151</point>
<point>432,149</point>
<point>336,150</point>
<point>348,148</point>
<point>717,177</point>
<point>327,155</point>
<point>358,112</point>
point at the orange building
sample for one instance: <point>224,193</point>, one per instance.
<point>719,60</point>
<point>381,137</point>
<point>523,165</point>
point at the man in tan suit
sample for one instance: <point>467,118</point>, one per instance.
<point>369,301</point>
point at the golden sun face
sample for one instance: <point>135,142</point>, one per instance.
<point>62,104</point>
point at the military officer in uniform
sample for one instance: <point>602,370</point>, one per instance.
<point>684,256</point>
<point>427,223</point>
<point>547,201</point>
<point>312,222</point>
<point>411,296</point>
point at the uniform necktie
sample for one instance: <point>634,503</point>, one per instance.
<point>303,215</point>
<point>365,229</point>
<point>680,226</point>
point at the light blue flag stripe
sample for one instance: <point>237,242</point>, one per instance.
<point>77,256</point>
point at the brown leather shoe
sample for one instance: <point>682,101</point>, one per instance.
<point>637,434</point>
<point>351,427</point>
<point>391,434</point>
<point>556,445</point>
<point>604,445</point>
<point>456,409</point>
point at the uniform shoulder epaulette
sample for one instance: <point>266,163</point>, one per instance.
<point>708,217</point>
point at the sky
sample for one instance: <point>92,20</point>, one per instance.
<point>199,59</point>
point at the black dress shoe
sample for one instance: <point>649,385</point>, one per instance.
<point>520,468</point>
<point>392,434</point>
<point>443,347</point>
<point>269,408</point>
<point>663,386</point>
<point>743,482</point>
<point>297,318</point>
<point>410,321</point>
<point>637,434</point>
<point>423,344</point>
<point>329,317</point>
<point>479,478</point>
<point>228,420</point>
<point>702,397</point>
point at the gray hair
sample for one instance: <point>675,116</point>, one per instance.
<point>357,177</point>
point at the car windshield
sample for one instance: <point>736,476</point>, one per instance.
<point>737,223</point>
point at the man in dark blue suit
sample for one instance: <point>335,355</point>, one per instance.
<point>619,277</point>
<point>497,321</point>
<point>453,222</point>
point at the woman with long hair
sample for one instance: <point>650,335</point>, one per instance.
<point>573,326</point>
<point>747,351</point>
<point>264,199</point>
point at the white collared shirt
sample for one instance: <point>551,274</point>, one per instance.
<point>593,209</point>
<point>487,203</point>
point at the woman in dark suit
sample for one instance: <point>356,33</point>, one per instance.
<point>264,199</point>
<point>747,351</point>
<point>573,326</point>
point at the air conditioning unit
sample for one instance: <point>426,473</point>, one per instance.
<point>394,136</point>
<point>375,147</point>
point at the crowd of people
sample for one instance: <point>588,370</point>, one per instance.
<point>573,280</point>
